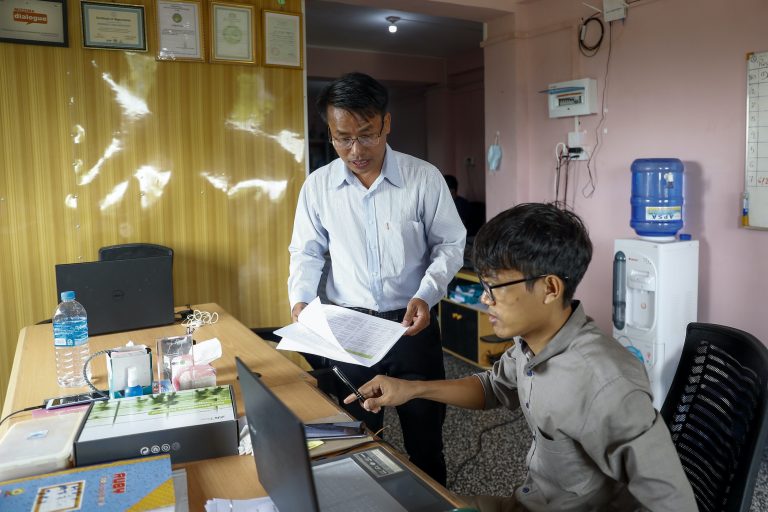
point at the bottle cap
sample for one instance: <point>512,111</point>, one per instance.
<point>68,295</point>
<point>685,236</point>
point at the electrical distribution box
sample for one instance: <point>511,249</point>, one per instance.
<point>573,98</point>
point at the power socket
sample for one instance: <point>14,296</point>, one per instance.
<point>578,153</point>
<point>576,148</point>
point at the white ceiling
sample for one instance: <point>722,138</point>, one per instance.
<point>342,25</point>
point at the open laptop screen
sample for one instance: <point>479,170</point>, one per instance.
<point>121,295</point>
<point>282,462</point>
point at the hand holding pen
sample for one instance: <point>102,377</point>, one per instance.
<point>343,378</point>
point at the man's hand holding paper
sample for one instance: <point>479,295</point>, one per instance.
<point>340,334</point>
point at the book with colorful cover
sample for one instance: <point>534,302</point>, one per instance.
<point>133,485</point>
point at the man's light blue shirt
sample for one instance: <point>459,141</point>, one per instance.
<point>399,239</point>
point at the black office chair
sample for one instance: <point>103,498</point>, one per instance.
<point>717,415</point>
<point>130,251</point>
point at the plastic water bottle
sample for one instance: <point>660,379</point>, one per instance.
<point>70,341</point>
<point>657,198</point>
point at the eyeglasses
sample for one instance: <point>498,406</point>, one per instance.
<point>346,143</point>
<point>488,288</point>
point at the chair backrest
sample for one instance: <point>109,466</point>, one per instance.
<point>717,415</point>
<point>130,251</point>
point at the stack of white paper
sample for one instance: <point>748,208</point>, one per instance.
<point>340,334</point>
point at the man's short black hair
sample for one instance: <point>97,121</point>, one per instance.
<point>452,182</point>
<point>535,239</point>
<point>357,93</point>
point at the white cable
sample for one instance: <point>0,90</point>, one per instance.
<point>559,153</point>
<point>198,318</point>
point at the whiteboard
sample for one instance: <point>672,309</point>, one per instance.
<point>755,210</point>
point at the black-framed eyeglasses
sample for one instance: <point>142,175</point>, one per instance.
<point>346,143</point>
<point>488,288</point>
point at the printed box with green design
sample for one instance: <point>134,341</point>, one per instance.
<point>188,425</point>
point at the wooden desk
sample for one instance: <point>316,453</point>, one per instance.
<point>33,378</point>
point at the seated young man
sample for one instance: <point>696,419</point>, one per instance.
<point>598,444</point>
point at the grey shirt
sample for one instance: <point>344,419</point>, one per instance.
<point>598,444</point>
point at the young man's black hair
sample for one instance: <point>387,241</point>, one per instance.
<point>535,239</point>
<point>354,92</point>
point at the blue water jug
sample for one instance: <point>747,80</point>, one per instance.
<point>657,198</point>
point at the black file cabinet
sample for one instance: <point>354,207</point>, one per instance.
<point>466,331</point>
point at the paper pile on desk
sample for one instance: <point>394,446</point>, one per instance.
<point>340,334</point>
<point>252,505</point>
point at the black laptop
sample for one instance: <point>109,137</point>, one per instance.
<point>121,295</point>
<point>367,480</point>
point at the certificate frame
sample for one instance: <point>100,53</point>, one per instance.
<point>282,39</point>
<point>103,30</point>
<point>232,34</point>
<point>180,30</point>
<point>20,22</point>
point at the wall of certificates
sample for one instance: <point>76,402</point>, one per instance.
<point>179,123</point>
<point>185,29</point>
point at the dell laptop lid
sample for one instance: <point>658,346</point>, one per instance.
<point>121,295</point>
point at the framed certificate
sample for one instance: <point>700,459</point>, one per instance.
<point>113,26</point>
<point>282,39</point>
<point>179,30</point>
<point>34,22</point>
<point>232,35</point>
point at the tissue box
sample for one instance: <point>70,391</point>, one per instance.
<point>188,425</point>
<point>119,360</point>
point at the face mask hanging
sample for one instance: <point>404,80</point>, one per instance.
<point>494,155</point>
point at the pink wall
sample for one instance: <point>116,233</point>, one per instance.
<point>676,88</point>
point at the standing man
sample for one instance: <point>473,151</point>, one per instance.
<point>395,241</point>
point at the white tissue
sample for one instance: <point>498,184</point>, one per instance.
<point>206,351</point>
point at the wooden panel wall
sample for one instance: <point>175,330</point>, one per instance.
<point>101,147</point>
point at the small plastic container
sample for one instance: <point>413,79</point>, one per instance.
<point>38,445</point>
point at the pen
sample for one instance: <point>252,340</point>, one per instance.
<point>343,378</point>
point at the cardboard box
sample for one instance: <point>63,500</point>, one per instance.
<point>188,425</point>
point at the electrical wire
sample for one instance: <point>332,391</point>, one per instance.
<point>85,372</point>
<point>32,408</point>
<point>591,185</point>
<point>590,50</point>
<point>198,318</point>
<point>560,152</point>
<point>567,171</point>
<point>469,459</point>
<point>562,171</point>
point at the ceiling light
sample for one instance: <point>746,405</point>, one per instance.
<point>392,20</point>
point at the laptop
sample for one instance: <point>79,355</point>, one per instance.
<point>370,480</point>
<point>121,295</point>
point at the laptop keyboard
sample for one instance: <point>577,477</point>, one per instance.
<point>343,486</point>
